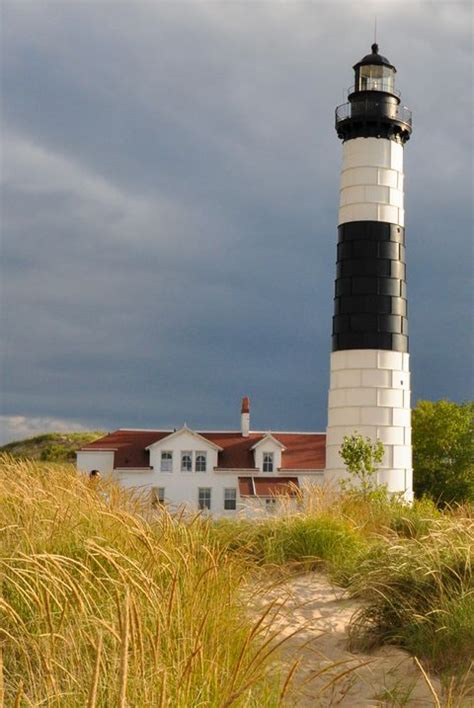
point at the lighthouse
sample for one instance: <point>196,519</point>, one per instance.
<point>370,375</point>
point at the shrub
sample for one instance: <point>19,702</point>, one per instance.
<point>361,457</point>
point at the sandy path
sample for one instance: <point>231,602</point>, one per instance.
<point>321,612</point>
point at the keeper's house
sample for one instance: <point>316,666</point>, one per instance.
<point>220,471</point>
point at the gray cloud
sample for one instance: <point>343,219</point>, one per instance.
<point>169,205</point>
<point>17,427</point>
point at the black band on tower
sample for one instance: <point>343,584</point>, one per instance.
<point>370,307</point>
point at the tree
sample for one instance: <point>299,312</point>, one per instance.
<point>361,457</point>
<point>443,451</point>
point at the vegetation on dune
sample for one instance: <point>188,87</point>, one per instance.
<point>51,447</point>
<point>420,595</point>
<point>412,566</point>
<point>101,606</point>
<point>105,601</point>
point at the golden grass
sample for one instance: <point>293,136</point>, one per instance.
<point>103,606</point>
<point>412,566</point>
<point>104,602</point>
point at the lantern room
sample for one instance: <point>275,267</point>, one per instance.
<point>374,73</point>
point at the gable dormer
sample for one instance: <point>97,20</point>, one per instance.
<point>267,454</point>
<point>183,450</point>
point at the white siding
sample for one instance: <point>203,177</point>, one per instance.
<point>182,489</point>
<point>185,441</point>
<point>95,460</point>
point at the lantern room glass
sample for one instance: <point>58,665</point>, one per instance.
<point>374,77</point>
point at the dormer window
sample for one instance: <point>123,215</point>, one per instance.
<point>201,461</point>
<point>186,462</point>
<point>268,462</point>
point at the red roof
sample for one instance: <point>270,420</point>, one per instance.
<point>129,446</point>
<point>267,486</point>
<point>303,451</point>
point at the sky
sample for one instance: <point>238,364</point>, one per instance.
<point>170,177</point>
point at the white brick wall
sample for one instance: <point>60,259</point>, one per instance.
<point>370,394</point>
<point>372,181</point>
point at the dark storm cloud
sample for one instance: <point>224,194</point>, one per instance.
<point>170,198</point>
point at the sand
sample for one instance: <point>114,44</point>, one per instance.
<point>321,612</point>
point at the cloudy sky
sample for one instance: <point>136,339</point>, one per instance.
<point>169,204</point>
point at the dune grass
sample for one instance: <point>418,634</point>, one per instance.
<point>420,595</point>
<point>104,602</point>
<point>411,566</point>
<point>101,606</point>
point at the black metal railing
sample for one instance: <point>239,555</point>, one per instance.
<point>374,110</point>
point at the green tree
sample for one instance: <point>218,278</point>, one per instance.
<point>361,457</point>
<point>443,451</point>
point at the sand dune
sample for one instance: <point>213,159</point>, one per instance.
<point>322,612</point>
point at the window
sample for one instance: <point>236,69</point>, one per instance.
<point>186,462</point>
<point>268,461</point>
<point>270,504</point>
<point>204,498</point>
<point>374,77</point>
<point>230,499</point>
<point>201,461</point>
<point>166,462</point>
<point>157,496</point>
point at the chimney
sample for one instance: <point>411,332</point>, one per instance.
<point>245,417</point>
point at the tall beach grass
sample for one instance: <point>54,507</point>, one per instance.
<point>102,606</point>
<point>410,565</point>
<point>104,602</point>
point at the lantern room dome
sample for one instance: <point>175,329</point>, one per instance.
<point>374,58</point>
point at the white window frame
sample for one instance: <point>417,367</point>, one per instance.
<point>268,463</point>
<point>157,496</point>
<point>230,496</point>
<point>200,453</point>
<point>204,500</point>
<point>163,466</point>
<point>187,453</point>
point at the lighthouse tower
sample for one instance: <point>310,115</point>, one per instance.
<point>370,377</point>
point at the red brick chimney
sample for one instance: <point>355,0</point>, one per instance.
<point>245,417</point>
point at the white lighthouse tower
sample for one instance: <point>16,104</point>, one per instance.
<point>370,377</point>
